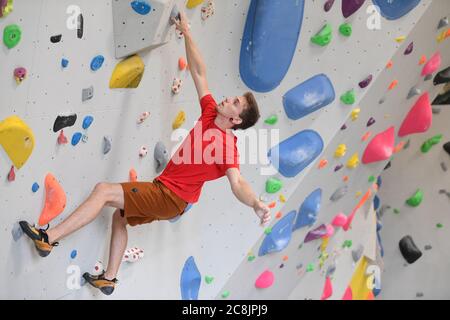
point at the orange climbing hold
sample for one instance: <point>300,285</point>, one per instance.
<point>345,178</point>
<point>393,84</point>
<point>422,60</point>
<point>399,146</point>
<point>55,200</point>
<point>285,258</point>
<point>390,64</point>
<point>366,136</point>
<point>182,63</point>
<point>133,175</point>
<point>358,206</point>
<point>278,215</point>
<point>323,163</point>
<point>272,205</point>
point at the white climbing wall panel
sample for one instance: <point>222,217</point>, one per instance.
<point>218,231</point>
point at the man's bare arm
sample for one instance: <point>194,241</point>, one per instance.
<point>195,61</point>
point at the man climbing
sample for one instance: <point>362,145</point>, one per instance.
<point>208,153</point>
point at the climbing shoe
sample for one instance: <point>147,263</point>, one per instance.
<point>100,282</point>
<point>39,237</point>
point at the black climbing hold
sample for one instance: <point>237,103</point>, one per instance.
<point>442,77</point>
<point>442,99</point>
<point>62,122</point>
<point>134,190</point>
<point>409,249</point>
<point>387,166</point>
<point>80,25</point>
<point>56,39</point>
<point>447,147</point>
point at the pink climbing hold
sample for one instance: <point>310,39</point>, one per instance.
<point>381,147</point>
<point>339,220</point>
<point>432,65</point>
<point>11,175</point>
<point>348,295</point>
<point>327,289</point>
<point>419,118</point>
<point>330,232</point>
<point>265,280</point>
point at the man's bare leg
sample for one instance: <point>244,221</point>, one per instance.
<point>119,239</point>
<point>104,194</point>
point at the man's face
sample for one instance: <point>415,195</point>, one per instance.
<point>232,107</point>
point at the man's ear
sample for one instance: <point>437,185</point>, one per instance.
<point>236,120</point>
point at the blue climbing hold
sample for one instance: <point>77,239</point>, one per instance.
<point>379,226</point>
<point>35,187</point>
<point>73,254</point>
<point>190,280</point>
<point>97,62</point>
<point>76,138</point>
<point>280,236</point>
<point>393,10</point>
<point>268,44</point>
<point>87,121</point>
<point>376,202</point>
<point>64,63</point>
<point>309,96</point>
<point>307,214</point>
<point>141,7</point>
<point>379,182</point>
<point>294,154</point>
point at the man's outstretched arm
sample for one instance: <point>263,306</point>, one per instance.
<point>242,190</point>
<point>195,61</point>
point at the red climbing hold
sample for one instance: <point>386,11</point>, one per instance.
<point>182,63</point>
<point>11,175</point>
<point>419,118</point>
<point>55,200</point>
<point>432,65</point>
<point>265,280</point>
<point>62,138</point>
<point>381,147</point>
<point>327,289</point>
<point>133,175</point>
<point>339,220</point>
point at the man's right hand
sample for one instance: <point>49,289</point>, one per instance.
<point>182,24</point>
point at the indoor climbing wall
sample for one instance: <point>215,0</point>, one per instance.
<point>58,61</point>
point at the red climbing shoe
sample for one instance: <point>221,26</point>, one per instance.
<point>39,237</point>
<point>100,282</point>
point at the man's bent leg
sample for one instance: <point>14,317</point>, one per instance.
<point>104,194</point>
<point>119,239</point>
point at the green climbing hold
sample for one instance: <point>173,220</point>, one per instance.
<point>273,185</point>
<point>271,120</point>
<point>349,97</point>
<point>225,294</point>
<point>426,146</point>
<point>268,230</point>
<point>396,211</point>
<point>310,267</point>
<point>346,29</point>
<point>251,258</point>
<point>371,179</point>
<point>439,225</point>
<point>347,244</point>
<point>324,36</point>
<point>416,199</point>
<point>209,279</point>
<point>11,35</point>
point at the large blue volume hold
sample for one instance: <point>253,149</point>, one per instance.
<point>190,280</point>
<point>268,45</point>
<point>294,154</point>
<point>309,96</point>
<point>393,10</point>
<point>280,236</point>
<point>307,214</point>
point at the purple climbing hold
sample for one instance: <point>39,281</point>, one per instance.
<point>349,7</point>
<point>317,233</point>
<point>371,121</point>
<point>409,49</point>
<point>328,5</point>
<point>344,126</point>
<point>365,83</point>
<point>338,167</point>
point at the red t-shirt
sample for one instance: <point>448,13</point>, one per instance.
<point>205,154</point>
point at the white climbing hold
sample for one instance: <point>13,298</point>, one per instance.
<point>133,254</point>
<point>143,116</point>
<point>176,85</point>
<point>143,151</point>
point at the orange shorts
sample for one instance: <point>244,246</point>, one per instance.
<point>149,201</point>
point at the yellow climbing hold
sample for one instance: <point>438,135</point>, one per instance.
<point>282,198</point>
<point>127,73</point>
<point>193,3</point>
<point>340,151</point>
<point>358,194</point>
<point>441,37</point>
<point>353,162</point>
<point>400,39</point>
<point>17,139</point>
<point>179,120</point>
<point>324,244</point>
<point>355,113</point>
<point>360,281</point>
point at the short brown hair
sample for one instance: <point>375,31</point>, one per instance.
<point>250,115</point>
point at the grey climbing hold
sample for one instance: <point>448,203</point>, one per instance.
<point>443,23</point>
<point>357,253</point>
<point>428,247</point>
<point>444,166</point>
<point>80,26</point>
<point>175,13</point>
<point>387,166</point>
<point>339,193</point>
<point>428,77</point>
<point>436,110</point>
<point>16,231</point>
<point>419,294</point>
<point>87,93</point>
<point>414,92</point>
<point>331,269</point>
<point>161,156</point>
<point>383,209</point>
<point>409,249</point>
<point>442,191</point>
<point>407,144</point>
<point>382,100</point>
<point>107,142</point>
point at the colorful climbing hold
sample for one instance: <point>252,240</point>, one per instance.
<point>132,176</point>
<point>265,280</point>
<point>409,49</point>
<point>143,151</point>
<point>73,254</point>
<point>322,163</point>
<point>273,185</point>
<point>308,211</point>
<point>419,118</point>
<point>35,187</point>
<point>366,136</point>
<point>226,293</point>
<point>423,60</point>
<point>250,258</point>
<point>76,137</point>
<point>328,5</point>
<point>55,200</point>
<point>432,65</point>
<point>393,85</point>
<point>365,83</point>
<point>446,147</point>
<point>64,63</point>
<point>443,23</point>
<point>141,7</point>
<point>310,267</point>
<point>380,147</point>
<point>349,7</point>
<point>207,10</point>
<point>176,85</point>
<point>390,64</point>
<point>11,174</point>
<point>143,117</point>
<point>400,39</point>
<point>355,114</point>
<point>428,144</point>
<point>349,97</point>
<point>62,139</point>
<point>97,62</point>
<point>282,198</point>
<point>327,290</point>
<point>193,3</point>
<point>127,73</point>
<point>338,167</point>
<point>353,162</point>
<point>182,63</point>
<point>416,199</point>
<point>316,233</point>
<point>340,151</point>
<point>324,36</point>
<point>87,121</point>
<point>179,120</point>
<point>346,29</point>
<point>209,279</point>
<point>271,120</point>
<point>6,7</point>
<point>339,220</point>
<point>11,35</point>
<point>190,280</point>
<point>370,122</point>
<point>20,74</point>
